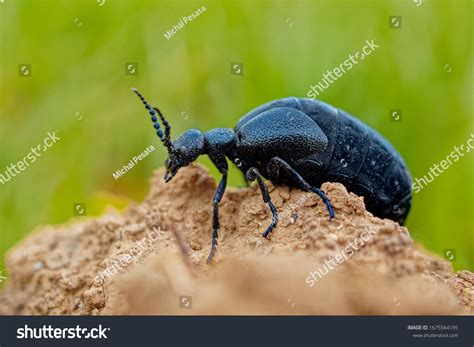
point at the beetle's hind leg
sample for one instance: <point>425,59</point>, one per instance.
<point>276,163</point>
<point>251,175</point>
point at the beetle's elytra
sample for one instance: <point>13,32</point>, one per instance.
<point>299,142</point>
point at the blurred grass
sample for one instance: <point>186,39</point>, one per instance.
<point>285,46</point>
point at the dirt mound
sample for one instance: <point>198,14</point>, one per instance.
<point>152,259</point>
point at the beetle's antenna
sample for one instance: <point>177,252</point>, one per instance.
<point>165,138</point>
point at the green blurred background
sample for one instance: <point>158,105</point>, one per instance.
<point>78,86</point>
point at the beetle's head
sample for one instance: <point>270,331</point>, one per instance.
<point>181,152</point>
<point>185,150</point>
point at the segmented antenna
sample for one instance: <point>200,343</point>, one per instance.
<point>165,138</point>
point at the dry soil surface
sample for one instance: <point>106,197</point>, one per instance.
<point>151,259</point>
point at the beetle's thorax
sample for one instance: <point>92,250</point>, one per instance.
<point>219,141</point>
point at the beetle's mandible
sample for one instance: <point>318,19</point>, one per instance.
<point>299,142</point>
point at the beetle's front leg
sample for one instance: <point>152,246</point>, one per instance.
<point>221,164</point>
<point>215,217</point>
<point>252,174</point>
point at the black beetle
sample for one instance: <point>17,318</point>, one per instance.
<point>299,142</point>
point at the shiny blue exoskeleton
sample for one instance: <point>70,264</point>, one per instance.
<point>299,142</point>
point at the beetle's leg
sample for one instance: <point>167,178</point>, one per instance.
<point>215,217</point>
<point>252,175</point>
<point>277,163</point>
<point>221,164</point>
<point>247,184</point>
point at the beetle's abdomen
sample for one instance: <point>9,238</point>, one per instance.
<point>363,161</point>
<point>384,181</point>
<point>379,172</point>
